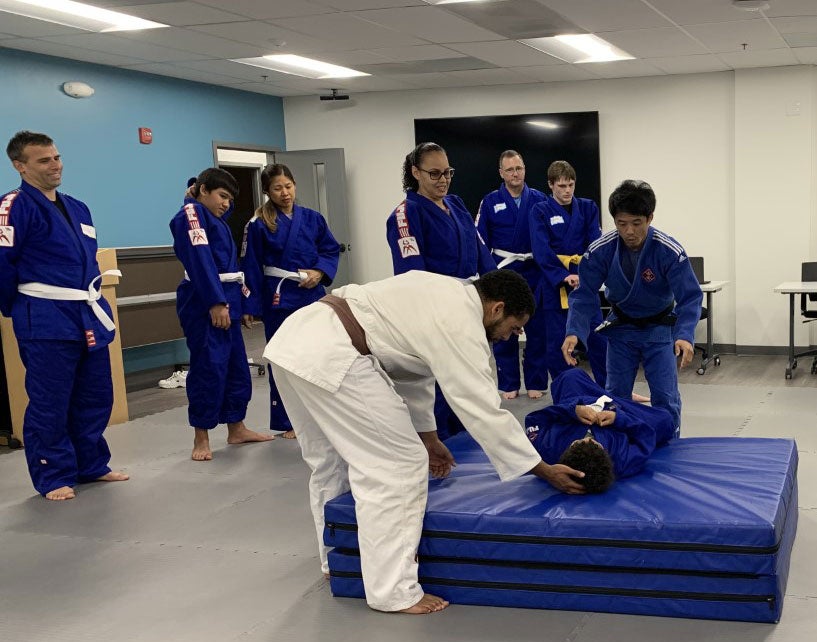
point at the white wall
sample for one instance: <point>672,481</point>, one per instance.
<point>707,144</point>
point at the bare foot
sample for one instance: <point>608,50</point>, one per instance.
<point>535,394</point>
<point>238,433</point>
<point>640,398</point>
<point>427,604</point>
<point>201,445</point>
<point>513,394</point>
<point>289,434</point>
<point>114,475</point>
<point>61,493</point>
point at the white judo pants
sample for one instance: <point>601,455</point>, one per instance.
<point>362,437</point>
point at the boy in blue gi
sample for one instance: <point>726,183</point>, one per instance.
<point>209,302</point>
<point>50,289</point>
<point>432,230</point>
<point>609,438</point>
<point>655,297</point>
<point>504,224</point>
<point>561,229</point>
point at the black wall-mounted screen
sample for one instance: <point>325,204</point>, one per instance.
<point>474,144</point>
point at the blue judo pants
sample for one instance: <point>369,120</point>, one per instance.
<point>278,418</point>
<point>534,364</point>
<point>70,397</point>
<point>596,348</point>
<point>625,353</point>
<point>218,384</point>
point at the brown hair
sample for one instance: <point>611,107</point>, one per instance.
<point>268,212</point>
<point>561,169</point>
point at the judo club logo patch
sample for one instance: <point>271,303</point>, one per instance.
<point>6,236</point>
<point>648,275</point>
<point>532,432</point>
<point>408,247</point>
<point>198,236</point>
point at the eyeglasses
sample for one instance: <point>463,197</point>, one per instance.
<point>514,170</point>
<point>436,174</point>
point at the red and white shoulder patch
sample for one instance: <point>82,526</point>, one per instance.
<point>5,207</point>
<point>402,222</point>
<point>198,236</point>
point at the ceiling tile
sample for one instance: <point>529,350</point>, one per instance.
<point>730,36</point>
<point>695,12</point>
<point>419,52</point>
<point>556,73</point>
<point>29,28</point>
<point>426,66</point>
<point>688,64</point>
<point>359,57</point>
<point>746,59</point>
<point>492,77</point>
<point>506,53</point>
<point>648,43</point>
<point>361,5</point>
<point>233,70</point>
<point>609,15</point>
<point>800,24</point>
<point>345,29</point>
<point>265,10</point>
<point>429,23</point>
<point>798,40</point>
<point>792,8</point>
<point>180,14</point>
<point>118,45</point>
<point>266,36</point>
<point>806,55</point>
<point>165,69</point>
<point>514,19</point>
<point>622,69</point>
<point>71,53</point>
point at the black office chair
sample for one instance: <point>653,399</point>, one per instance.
<point>697,264</point>
<point>808,273</point>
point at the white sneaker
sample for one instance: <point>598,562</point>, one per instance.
<point>177,380</point>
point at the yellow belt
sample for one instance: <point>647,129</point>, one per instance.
<point>567,260</point>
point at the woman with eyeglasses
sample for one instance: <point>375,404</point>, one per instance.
<point>432,230</point>
<point>288,256</point>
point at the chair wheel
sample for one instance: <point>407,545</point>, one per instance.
<point>261,371</point>
<point>717,361</point>
<point>788,374</point>
<point>794,365</point>
<point>700,371</point>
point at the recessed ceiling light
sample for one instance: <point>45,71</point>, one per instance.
<point>77,15</point>
<point>750,5</point>
<point>300,66</point>
<point>578,48</point>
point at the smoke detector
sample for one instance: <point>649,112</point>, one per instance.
<point>750,5</point>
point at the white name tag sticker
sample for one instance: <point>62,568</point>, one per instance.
<point>555,220</point>
<point>198,236</point>
<point>499,207</point>
<point>88,230</point>
<point>6,236</point>
<point>408,247</point>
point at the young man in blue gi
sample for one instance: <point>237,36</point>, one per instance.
<point>655,297</point>
<point>503,223</point>
<point>432,230</point>
<point>605,438</point>
<point>209,302</point>
<point>50,288</point>
<point>561,229</point>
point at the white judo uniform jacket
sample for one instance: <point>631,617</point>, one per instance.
<point>420,327</point>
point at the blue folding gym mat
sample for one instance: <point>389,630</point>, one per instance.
<point>705,531</point>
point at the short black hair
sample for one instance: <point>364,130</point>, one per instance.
<point>593,461</point>
<point>413,159</point>
<point>22,139</point>
<point>510,288</point>
<point>215,178</point>
<point>632,197</point>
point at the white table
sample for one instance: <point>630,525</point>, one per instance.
<point>709,352</point>
<point>793,288</point>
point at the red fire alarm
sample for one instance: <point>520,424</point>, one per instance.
<point>145,135</point>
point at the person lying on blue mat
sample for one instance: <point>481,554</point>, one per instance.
<point>607,438</point>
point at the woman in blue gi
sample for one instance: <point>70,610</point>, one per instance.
<point>289,256</point>
<point>610,438</point>
<point>432,230</point>
<point>504,224</point>
<point>209,302</point>
<point>655,297</point>
<point>561,229</point>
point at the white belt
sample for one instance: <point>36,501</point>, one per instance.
<point>224,277</point>
<point>57,293</point>
<point>284,275</point>
<point>510,257</point>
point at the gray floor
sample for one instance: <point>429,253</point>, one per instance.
<point>224,550</point>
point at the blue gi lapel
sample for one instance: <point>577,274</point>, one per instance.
<point>75,231</point>
<point>521,231</point>
<point>289,246</point>
<point>635,286</point>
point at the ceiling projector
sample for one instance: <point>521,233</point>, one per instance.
<point>334,95</point>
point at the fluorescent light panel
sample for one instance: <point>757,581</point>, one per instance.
<point>544,124</point>
<point>578,48</point>
<point>300,66</point>
<point>76,14</point>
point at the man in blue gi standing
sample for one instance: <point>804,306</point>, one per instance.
<point>503,222</point>
<point>655,297</point>
<point>51,290</point>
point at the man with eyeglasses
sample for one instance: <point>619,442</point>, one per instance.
<point>605,437</point>
<point>562,227</point>
<point>504,224</point>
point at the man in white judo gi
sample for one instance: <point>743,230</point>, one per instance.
<point>356,372</point>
